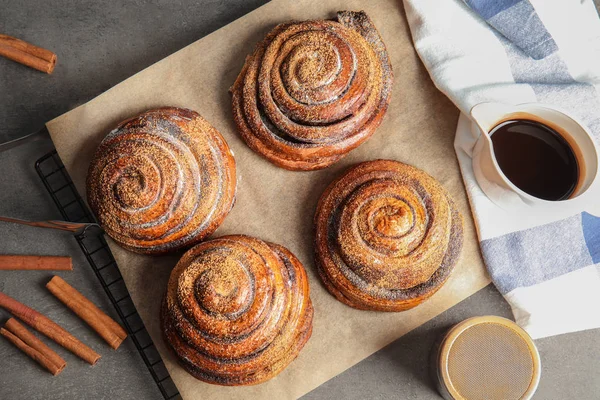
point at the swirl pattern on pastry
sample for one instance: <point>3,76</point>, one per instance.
<point>313,90</point>
<point>237,310</point>
<point>387,236</point>
<point>161,181</point>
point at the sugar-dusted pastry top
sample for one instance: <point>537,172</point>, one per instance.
<point>237,310</point>
<point>387,236</point>
<point>313,90</point>
<point>161,181</point>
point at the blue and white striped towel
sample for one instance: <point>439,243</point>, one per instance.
<point>519,51</point>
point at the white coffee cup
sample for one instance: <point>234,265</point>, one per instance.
<point>493,181</point>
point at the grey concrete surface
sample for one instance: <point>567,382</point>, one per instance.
<point>100,43</point>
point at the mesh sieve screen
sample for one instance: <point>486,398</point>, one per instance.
<point>490,361</point>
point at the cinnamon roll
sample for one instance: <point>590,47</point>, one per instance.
<point>237,310</point>
<point>161,181</point>
<point>313,90</point>
<point>387,236</point>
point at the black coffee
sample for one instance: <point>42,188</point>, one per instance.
<point>536,159</point>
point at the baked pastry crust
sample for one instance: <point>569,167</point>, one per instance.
<point>314,90</point>
<point>387,236</point>
<point>161,181</point>
<point>237,310</point>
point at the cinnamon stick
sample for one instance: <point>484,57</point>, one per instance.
<point>104,325</point>
<point>27,54</point>
<point>49,328</point>
<point>37,263</point>
<point>33,347</point>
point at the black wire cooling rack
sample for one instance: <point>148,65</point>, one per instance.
<point>70,204</point>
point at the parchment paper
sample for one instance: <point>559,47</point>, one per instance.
<point>278,205</point>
